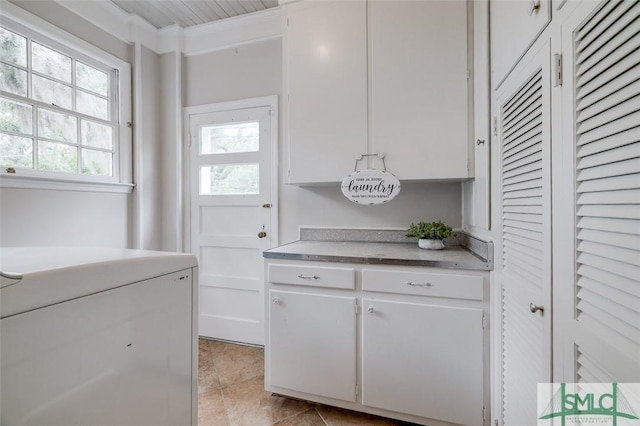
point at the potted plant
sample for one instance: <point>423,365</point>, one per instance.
<point>430,234</point>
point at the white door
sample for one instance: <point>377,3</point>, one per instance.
<point>233,219</point>
<point>597,203</point>
<point>523,265</point>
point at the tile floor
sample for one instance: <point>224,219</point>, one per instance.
<point>231,393</point>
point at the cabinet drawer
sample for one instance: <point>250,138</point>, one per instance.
<point>313,276</point>
<point>423,284</point>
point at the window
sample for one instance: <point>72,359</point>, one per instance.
<point>235,178</point>
<point>60,110</point>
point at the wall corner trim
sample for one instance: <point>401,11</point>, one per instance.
<point>130,28</point>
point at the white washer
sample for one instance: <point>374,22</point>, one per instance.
<point>97,336</point>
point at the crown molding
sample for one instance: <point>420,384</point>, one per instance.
<point>196,40</point>
<point>232,32</point>
<point>105,15</point>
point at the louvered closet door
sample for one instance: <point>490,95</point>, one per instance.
<point>599,289</point>
<point>524,271</point>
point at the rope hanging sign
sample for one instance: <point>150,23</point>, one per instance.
<point>371,186</point>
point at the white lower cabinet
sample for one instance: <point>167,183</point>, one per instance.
<point>312,343</point>
<point>423,360</point>
<point>404,342</point>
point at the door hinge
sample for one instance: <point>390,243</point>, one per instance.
<point>484,325</point>
<point>495,126</point>
<point>484,413</point>
<point>357,390</point>
<point>557,71</point>
<point>189,139</point>
<point>357,308</point>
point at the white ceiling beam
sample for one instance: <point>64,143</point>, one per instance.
<point>212,36</point>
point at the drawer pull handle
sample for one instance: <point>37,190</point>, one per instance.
<point>275,301</point>
<point>371,309</point>
<point>309,277</point>
<point>411,283</point>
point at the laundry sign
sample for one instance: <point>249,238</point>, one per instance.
<point>370,187</point>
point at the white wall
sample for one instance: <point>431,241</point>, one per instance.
<point>171,139</point>
<point>256,70</point>
<point>31,217</point>
<point>149,149</point>
<point>43,217</point>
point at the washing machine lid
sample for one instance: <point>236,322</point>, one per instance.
<point>35,277</point>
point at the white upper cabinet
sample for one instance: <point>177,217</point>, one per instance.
<point>515,25</point>
<point>418,87</point>
<point>325,83</point>
<point>376,76</point>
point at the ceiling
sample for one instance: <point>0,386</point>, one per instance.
<point>187,13</point>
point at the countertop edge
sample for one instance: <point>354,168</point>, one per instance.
<point>481,266</point>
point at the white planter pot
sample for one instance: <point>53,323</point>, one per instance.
<point>431,244</point>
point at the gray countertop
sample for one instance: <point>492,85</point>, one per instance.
<point>385,253</point>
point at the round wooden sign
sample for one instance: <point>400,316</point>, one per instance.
<point>370,187</point>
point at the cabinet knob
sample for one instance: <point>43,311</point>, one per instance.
<point>535,308</point>
<point>262,234</point>
<point>275,301</point>
<point>371,309</point>
<point>534,5</point>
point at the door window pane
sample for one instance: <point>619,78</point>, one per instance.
<point>13,48</point>
<point>50,62</point>
<point>16,117</point>
<point>16,151</point>
<point>92,79</point>
<point>92,105</point>
<point>237,137</point>
<point>96,135</point>
<point>58,126</point>
<point>13,80</point>
<point>223,179</point>
<point>57,157</point>
<point>51,92</point>
<point>96,162</point>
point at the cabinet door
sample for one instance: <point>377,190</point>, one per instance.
<point>477,191</point>
<point>515,25</point>
<point>423,360</point>
<point>312,344</point>
<point>523,259</point>
<point>597,198</point>
<point>325,83</point>
<point>418,95</point>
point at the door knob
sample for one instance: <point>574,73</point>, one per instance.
<point>262,234</point>
<point>535,308</point>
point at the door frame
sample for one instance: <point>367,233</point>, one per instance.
<point>270,102</point>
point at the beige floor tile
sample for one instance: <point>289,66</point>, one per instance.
<point>338,417</point>
<point>237,363</point>
<point>211,411</point>
<point>248,404</point>
<point>207,374</point>
<point>308,418</point>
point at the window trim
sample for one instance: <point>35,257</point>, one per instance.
<point>17,19</point>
